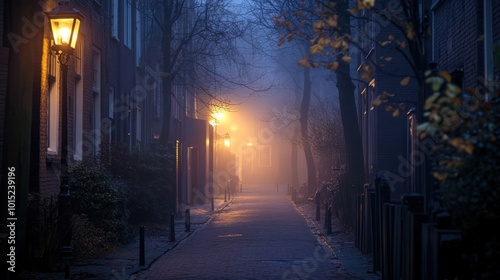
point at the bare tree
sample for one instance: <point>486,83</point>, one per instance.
<point>194,43</point>
<point>266,11</point>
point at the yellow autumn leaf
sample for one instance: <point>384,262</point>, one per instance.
<point>456,142</point>
<point>388,59</point>
<point>390,37</point>
<point>334,66</point>
<point>366,4</point>
<point>304,62</point>
<point>468,147</point>
<point>347,59</point>
<point>405,81</point>
<point>335,44</point>
<point>332,22</point>
<point>388,108</point>
<point>395,113</point>
<point>376,102</point>
<point>318,25</point>
<point>445,75</point>
<point>410,33</point>
<point>316,48</point>
<point>430,101</point>
<point>440,176</point>
<point>324,41</point>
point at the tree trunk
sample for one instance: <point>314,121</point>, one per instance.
<point>352,135</point>
<point>304,128</point>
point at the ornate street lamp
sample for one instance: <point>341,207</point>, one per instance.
<point>227,140</point>
<point>65,24</point>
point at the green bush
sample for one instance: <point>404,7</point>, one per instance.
<point>151,188</point>
<point>101,199</point>
<point>43,241</point>
<point>467,164</point>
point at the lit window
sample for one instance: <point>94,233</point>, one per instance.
<point>53,105</point>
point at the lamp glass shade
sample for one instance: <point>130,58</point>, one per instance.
<point>65,31</point>
<point>227,140</point>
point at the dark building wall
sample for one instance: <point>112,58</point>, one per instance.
<point>456,29</point>
<point>385,136</point>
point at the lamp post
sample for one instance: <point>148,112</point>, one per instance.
<point>65,24</point>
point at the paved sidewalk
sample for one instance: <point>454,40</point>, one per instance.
<point>121,263</point>
<point>341,241</point>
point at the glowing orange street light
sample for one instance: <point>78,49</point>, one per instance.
<point>227,140</point>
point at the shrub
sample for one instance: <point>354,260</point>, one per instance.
<point>467,164</point>
<point>151,188</point>
<point>43,241</point>
<point>101,199</point>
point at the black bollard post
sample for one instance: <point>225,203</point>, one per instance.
<point>212,202</point>
<point>187,220</point>
<point>329,228</point>
<point>172,227</point>
<point>141,246</point>
<point>225,195</point>
<point>317,200</point>
<point>326,216</point>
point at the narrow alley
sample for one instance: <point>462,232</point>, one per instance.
<point>258,236</point>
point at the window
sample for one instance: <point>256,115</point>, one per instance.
<point>96,67</point>
<point>115,19</point>
<point>78,103</point>
<point>53,105</point>
<point>96,110</point>
<point>127,24</point>
<point>52,63</point>
<point>138,39</point>
<point>138,125</point>
<point>265,156</point>
<point>156,99</point>
<point>111,102</point>
<point>78,56</point>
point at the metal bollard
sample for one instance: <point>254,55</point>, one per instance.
<point>172,227</point>
<point>329,227</point>
<point>317,200</point>
<point>187,220</point>
<point>225,195</point>
<point>141,246</point>
<point>326,216</point>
